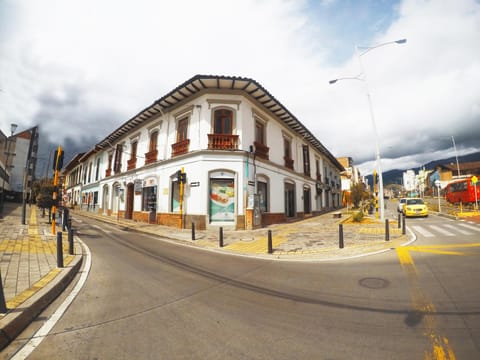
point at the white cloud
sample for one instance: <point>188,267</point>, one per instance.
<point>95,64</point>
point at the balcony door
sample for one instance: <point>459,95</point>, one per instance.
<point>223,122</point>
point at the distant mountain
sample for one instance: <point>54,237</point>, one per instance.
<point>396,176</point>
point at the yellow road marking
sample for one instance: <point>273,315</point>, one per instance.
<point>440,347</point>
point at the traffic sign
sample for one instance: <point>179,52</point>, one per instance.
<point>474,179</point>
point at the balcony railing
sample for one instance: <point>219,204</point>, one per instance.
<point>180,147</point>
<point>151,156</point>
<point>288,162</point>
<point>222,142</point>
<point>132,164</point>
<point>261,150</point>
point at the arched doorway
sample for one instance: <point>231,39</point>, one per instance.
<point>129,204</point>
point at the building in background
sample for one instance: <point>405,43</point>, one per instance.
<point>24,162</point>
<point>350,177</point>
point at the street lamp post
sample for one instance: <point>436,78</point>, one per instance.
<point>13,127</point>
<point>363,77</point>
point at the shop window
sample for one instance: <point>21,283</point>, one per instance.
<point>149,198</point>
<point>262,191</point>
<point>222,199</point>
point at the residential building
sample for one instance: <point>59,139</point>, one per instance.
<point>349,177</point>
<point>409,182</point>
<point>215,151</point>
<point>19,161</point>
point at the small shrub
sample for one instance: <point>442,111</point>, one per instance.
<point>358,216</point>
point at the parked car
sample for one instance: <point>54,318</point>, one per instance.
<point>401,202</point>
<point>415,207</point>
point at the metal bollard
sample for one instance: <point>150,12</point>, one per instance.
<point>399,221</point>
<point>340,236</point>
<point>70,240</point>
<point>404,230</point>
<point>270,245</point>
<point>220,235</point>
<point>193,231</point>
<point>59,250</point>
<point>3,304</point>
<point>387,230</point>
<point>64,220</point>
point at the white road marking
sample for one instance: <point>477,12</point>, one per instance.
<point>441,231</point>
<point>43,332</point>
<point>471,227</point>
<point>422,231</point>
<point>456,228</point>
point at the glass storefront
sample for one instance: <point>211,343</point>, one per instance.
<point>222,200</point>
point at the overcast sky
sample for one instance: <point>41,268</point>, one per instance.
<point>80,69</point>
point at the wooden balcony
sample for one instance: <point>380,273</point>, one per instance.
<point>261,150</point>
<point>222,142</point>
<point>132,164</point>
<point>288,163</point>
<point>180,147</point>
<point>151,157</point>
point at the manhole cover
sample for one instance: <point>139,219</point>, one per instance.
<point>374,283</point>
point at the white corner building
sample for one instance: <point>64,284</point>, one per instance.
<point>246,161</point>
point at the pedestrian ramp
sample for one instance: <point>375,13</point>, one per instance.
<point>446,230</point>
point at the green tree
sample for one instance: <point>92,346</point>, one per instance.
<point>358,194</point>
<point>43,190</point>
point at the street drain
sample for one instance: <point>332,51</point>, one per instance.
<point>374,283</point>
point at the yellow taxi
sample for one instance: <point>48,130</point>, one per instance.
<point>415,207</point>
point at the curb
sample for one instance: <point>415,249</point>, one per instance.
<point>16,320</point>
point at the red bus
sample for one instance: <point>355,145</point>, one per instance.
<point>462,191</point>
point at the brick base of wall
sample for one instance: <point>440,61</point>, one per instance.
<point>273,218</point>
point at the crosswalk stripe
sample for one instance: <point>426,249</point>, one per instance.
<point>441,230</point>
<point>471,227</point>
<point>456,228</point>
<point>422,231</point>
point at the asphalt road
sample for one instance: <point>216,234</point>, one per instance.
<point>150,299</point>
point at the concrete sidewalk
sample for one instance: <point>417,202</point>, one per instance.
<point>28,265</point>
<point>316,238</point>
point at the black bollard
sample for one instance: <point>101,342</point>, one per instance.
<point>3,304</point>
<point>70,240</point>
<point>399,221</point>
<point>69,223</point>
<point>220,236</point>
<point>193,231</point>
<point>404,230</point>
<point>64,220</point>
<point>59,250</point>
<point>340,236</point>
<point>270,246</point>
<point>387,231</point>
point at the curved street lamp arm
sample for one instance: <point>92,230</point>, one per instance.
<point>369,48</point>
